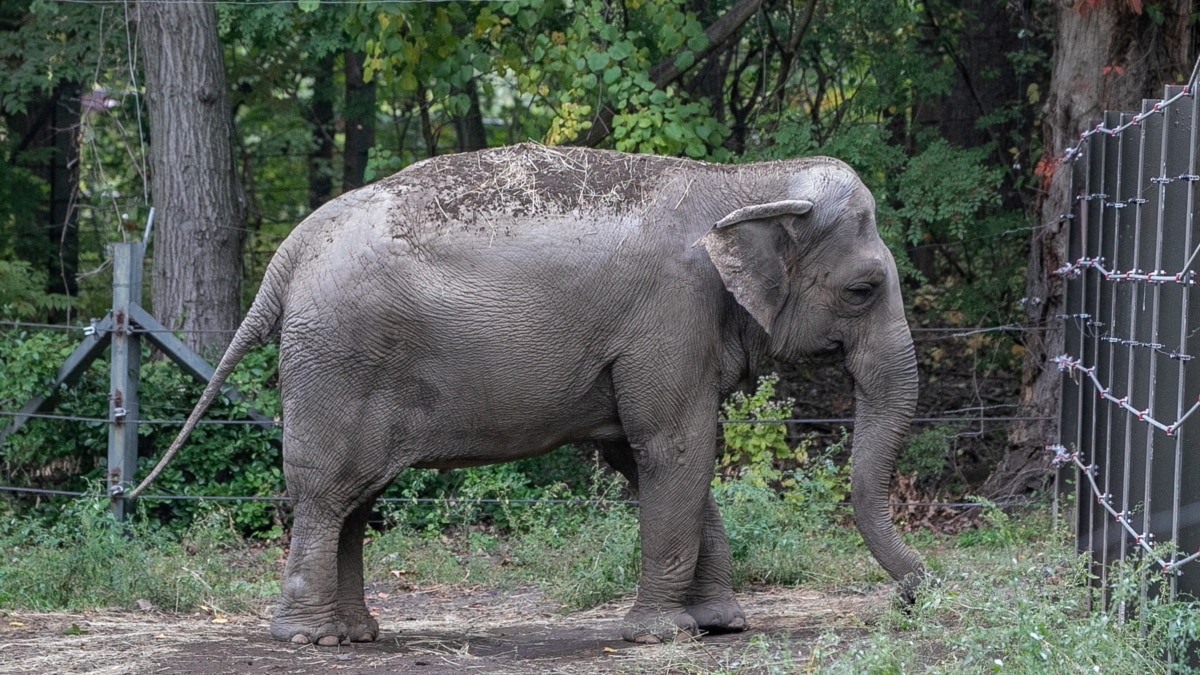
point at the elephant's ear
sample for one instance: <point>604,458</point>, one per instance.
<point>746,247</point>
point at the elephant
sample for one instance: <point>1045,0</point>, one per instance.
<point>490,306</point>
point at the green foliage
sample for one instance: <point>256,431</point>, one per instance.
<point>1023,615</point>
<point>1020,604</point>
<point>84,559</point>
<point>21,195</point>
<point>430,501</point>
<point>582,551</point>
<point>756,445</point>
<point>926,453</point>
<point>23,293</point>
<point>1003,532</point>
<point>775,499</point>
<point>548,68</point>
<point>942,191</point>
<point>757,453</point>
<point>47,44</point>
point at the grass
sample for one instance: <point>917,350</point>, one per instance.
<point>1012,595</point>
<point>86,560</point>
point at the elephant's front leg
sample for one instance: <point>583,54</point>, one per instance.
<point>710,598</point>
<point>674,470</point>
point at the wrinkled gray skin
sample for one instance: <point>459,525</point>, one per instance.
<point>486,307</point>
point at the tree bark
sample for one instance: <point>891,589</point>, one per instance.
<point>469,132</point>
<point>1106,57</point>
<point>320,119</point>
<point>199,224</point>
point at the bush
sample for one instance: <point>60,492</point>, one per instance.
<point>757,454</point>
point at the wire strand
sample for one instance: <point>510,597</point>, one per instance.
<point>576,501</point>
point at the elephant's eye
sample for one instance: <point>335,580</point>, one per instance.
<point>859,293</point>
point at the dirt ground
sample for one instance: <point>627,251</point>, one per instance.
<point>435,631</point>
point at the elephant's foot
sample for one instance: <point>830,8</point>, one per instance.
<point>362,628</point>
<point>359,628</point>
<point>651,627</point>
<point>324,634</point>
<point>718,616</point>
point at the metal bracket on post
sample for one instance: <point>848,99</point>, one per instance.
<point>126,355</point>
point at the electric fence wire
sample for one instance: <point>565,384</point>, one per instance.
<point>576,501</point>
<point>846,421</point>
<point>1072,270</point>
<point>952,331</point>
<point>1075,367</point>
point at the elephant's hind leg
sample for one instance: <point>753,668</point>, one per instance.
<point>315,606</point>
<point>335,489</point>
<point>307,611</point>
<point>351,605</point>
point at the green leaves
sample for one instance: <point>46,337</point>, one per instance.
<point>754,439</point>
<point>548,70</point>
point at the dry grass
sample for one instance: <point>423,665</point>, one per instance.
<point>435,629</point>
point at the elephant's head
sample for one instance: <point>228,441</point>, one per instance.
<point>813,272</point>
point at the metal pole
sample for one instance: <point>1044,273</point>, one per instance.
<point>125,353</point>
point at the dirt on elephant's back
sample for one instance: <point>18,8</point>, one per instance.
<point>434,630</point>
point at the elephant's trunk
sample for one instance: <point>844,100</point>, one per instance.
<point>885,375</point>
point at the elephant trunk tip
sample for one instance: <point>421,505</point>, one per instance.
<point>915,584</point>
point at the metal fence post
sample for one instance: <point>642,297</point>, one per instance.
<point>125,354</point>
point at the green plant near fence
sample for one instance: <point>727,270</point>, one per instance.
<point>757,453</point>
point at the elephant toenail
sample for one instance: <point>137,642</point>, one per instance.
<point>300,639</point>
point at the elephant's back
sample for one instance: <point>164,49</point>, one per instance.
<point>530,180</point>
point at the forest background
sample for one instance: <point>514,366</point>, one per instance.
<point>235,119</point>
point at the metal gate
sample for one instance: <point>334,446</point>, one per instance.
<point>1130,426</point>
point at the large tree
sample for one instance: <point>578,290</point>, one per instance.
<point>199,220</point>
<point>1108,55</point>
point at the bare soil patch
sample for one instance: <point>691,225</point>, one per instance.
<point>432,630</point>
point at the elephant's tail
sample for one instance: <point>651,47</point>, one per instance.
<point>261,322</point>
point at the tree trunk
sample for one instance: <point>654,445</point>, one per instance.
<point>320,118</point>
<point>199,223</point>
<point>469,131</point>
<point>1106,57</point>
<point>360,122</point>
<point>53,123</point>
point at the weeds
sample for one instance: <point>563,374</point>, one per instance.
<point>86,559</point>
<point>1012,597</point>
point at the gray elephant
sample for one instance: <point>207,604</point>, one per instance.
<point>491,306</point>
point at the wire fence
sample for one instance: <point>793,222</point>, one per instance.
<point>1130,387</point>
<point>980,418</point>
<point>528,501</point>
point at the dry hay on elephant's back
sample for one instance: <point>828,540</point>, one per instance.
<point>532,179</point>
